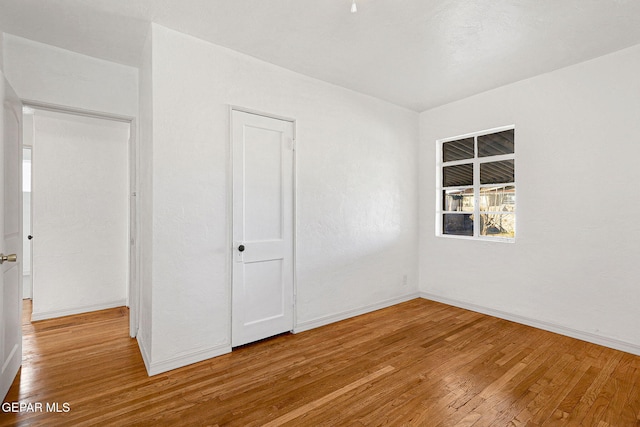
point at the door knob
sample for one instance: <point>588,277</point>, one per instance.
<point>9,258</point>
<point>29,237</point>
<point>241,248</point>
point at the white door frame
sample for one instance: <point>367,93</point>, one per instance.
<point>231,250</point>
<point>133,282</point>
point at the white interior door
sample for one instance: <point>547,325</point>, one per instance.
<point>262,289</point>
<point>80,194</point>
<point>10,237</point>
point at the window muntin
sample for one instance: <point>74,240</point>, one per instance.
<point>477,191</point>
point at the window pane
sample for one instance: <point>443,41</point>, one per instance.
<point>458,176</point>
<point>457,224</point>
<point>458,200</point>
<point>495,144</point>
<point>457,150</point>
<point>497,172</point>
<point>498,199</point>
<point>498,225</point>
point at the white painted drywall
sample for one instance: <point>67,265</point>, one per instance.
<point>51,75</point>
<point>145,199</point>
<point>80,214</point>
<point>26,209</point>
<point>575,260</point>
<point>27,142</point>
<point>43,73</point>
<point>356,205</point>
<point>26,245</point>
<point>1,51</point>
<point>26,221</point>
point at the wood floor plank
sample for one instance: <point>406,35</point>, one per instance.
<point>417,363</point>
<point>545,388</point>
<point>328,398</point>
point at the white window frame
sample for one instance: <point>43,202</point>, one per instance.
<point>476,161</point>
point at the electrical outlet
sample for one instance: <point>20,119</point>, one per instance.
<point>404,280</point>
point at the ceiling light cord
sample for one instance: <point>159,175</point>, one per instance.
<point>354,8</point>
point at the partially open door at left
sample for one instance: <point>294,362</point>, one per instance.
<point>10,236</point>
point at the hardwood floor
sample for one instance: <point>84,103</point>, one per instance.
<point>418,363</point>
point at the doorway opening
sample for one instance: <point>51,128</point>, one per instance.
<point>80,212</point>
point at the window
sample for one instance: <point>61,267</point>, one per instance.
<point>476,186</point>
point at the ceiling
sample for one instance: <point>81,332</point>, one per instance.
<point>415,53</point>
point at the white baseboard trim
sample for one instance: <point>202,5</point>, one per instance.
<point>547,326</point>
<point>326,320</point>
<point>35,316</point>
<point>155,368</point>
<point>145,356</point>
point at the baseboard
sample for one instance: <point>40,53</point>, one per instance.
<point>326,320</point>
<point>76,310</point>
<point>155,368</point>
<point>145,356</point>
<point>547,326</point>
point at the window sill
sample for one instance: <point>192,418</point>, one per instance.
<point>478,239</point>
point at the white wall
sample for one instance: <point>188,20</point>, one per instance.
<point>80,214</point>
<point>50,75</point>
<point>574,266</point>
<point>27,141</point>
<point>145,201</point>
<point>356,205</point>
<point>43,73</point>
<point>1,51</point>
